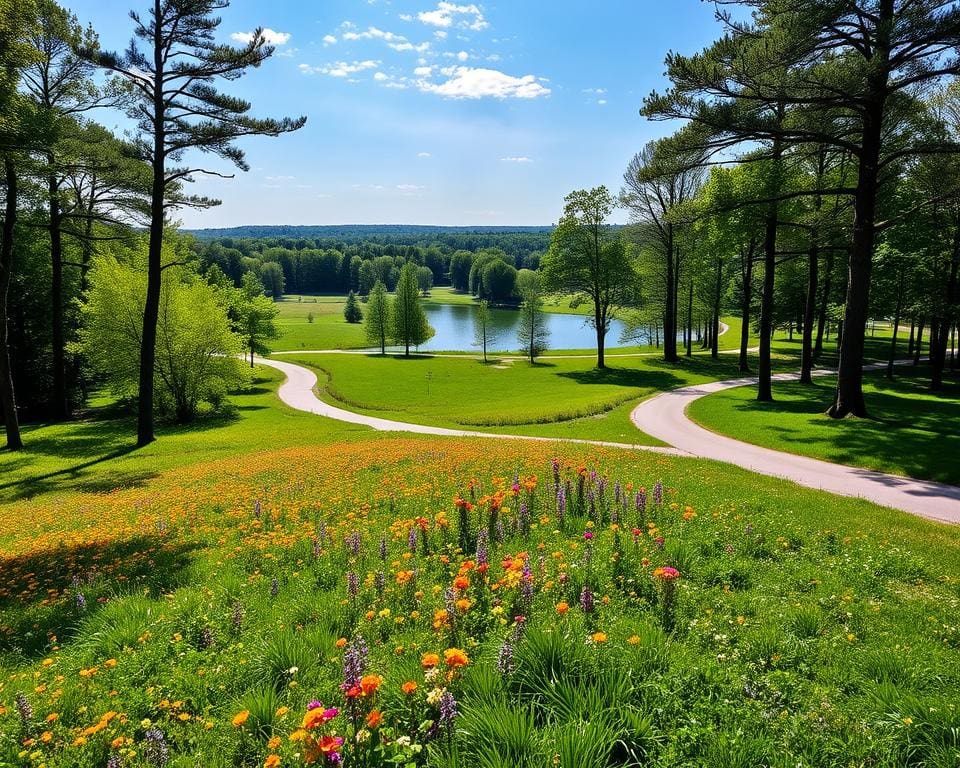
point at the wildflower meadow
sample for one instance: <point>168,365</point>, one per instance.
<point>413,602</point>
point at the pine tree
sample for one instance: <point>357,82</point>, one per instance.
<point>172,83</point>
<point>377,324</point>
<point>351,310</point>
<point>408,321</point>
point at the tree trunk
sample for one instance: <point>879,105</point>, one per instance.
<point>151,309</point>
<point>745,310</point>
<point>670,308</point>
<point>824,301</point>
<point>715,342</point>
<point>896,326</point>
<point>7,398</point>
<point>913,328</point>
<point>59,408</point>
<point>600,321</point>
<point>806,355</point>
<point>918,349</point>
<point>690,320</point>
<point>764,386</point>
<point>849,399</point>
<point>940,338</point>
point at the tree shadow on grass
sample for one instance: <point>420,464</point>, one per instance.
<point>634,378</point>
<point>903,435</point>
<point>48,593</point>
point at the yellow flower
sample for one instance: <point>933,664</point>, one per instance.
<point>240,718</point>
<point>599,637</point>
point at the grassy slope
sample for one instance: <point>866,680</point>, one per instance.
<point>794,606</point>
<point>912,432</point>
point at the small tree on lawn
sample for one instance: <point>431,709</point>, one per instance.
<point>533,332</point>
<point>351,310</point>
<point>408,325</point>
<point>377,325</point>
<point>484,331</point>
<point>256,315</point>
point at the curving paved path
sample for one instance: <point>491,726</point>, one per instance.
<point>664,417</point>
<point>297,392</point>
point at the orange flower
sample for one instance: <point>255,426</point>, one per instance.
<point>274,743</point>
<point>429,660</point>
<point>369,684</point>
<point>562,607</point>
<point>374,718</point>
<point>341,642</point>
<point>240,718</point>
<point>408,687</point>
<point>272,761</point>
<point>461,582</point>
<point>454,658</point>
<point>599,637</point>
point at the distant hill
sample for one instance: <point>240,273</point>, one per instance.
<point>356,232</point>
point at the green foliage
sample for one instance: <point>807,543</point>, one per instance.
<point>532,333</point>
<point>498,279</point>
<point>587,258</point>
<point>351,310</point>
<point>379,312</point>
<point>484,332</point>
<point>197,353</point>
<point>408,322</point>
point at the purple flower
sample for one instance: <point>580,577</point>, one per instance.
<point>256,511</point>
<point>354,663</point>
<point>448,709</point>
<point>155,749</point>
<point>412,540</point>
<point>24,710</point>
<point>353,584</point>
<point>314,704</point>
<point>380,582</point>
<point>383,548</point>
<point>353,543</point>
<point>505,658</point>
<point>586,599</point>
<point>483,556</point>
<point>588,535</point>
<point>658,493</point>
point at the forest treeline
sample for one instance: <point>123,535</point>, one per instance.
<point>812,182</point>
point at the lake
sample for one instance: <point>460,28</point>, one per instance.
<point>454,330</point>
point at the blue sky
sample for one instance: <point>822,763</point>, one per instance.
<point>436,112</point>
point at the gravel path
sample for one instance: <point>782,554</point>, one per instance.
<point>665,418</point>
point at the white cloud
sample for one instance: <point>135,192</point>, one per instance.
<point>270,36</point>
<point>478,83</point>
<point>463,56</point>
<point>601,102</point>
<point>380,76</point>
<point>372,33</point>
<point>407,46</point>
<point>423,71</point>
<point>329,40</point>
<point>597,91</point>
<point>423,155</point>
<point>340,68</point>
<point>448,14</point>
<point>406,17</point>
<point>409,189</point>
<point>440,34</point>
<point>521,159</point>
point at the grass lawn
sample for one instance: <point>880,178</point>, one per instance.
<point>555,397</point>
<point>194,612</point>
<point>911,431</point>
